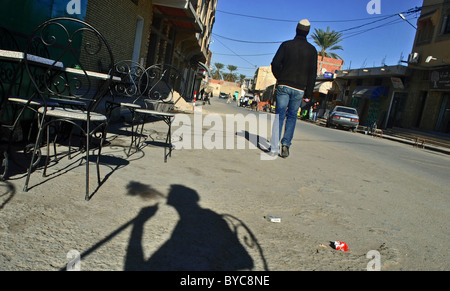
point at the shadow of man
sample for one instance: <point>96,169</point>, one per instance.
<point>257,141</point>
<point>201,240</point>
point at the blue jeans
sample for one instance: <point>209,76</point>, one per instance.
<point>288,103</point>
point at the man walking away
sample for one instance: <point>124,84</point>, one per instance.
<point>295,68</point>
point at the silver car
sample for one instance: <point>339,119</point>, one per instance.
<point>343,116</point>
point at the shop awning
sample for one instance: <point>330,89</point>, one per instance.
<point>370,92</point>
<point>180,13</point>
<point>323,87</point>
<point>204,67</point>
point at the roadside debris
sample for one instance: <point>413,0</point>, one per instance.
<point>273,218</point>
<point>322,246</point>
<point>339,245</point>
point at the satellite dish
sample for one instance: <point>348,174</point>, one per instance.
<point>429,58</point>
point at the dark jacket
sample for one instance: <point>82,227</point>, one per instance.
<point>295,65</point>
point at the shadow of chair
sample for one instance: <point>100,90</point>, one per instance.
<point>164,87</point>
<point>78,86</point>
<point>7,192</point>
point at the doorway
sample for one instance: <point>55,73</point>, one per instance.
<point>422,102</point>
<point>396,110</point>
<point>443,124</point>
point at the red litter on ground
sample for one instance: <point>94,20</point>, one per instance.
<point>340,245</point>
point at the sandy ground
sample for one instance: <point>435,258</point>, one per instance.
<point>202,210</point>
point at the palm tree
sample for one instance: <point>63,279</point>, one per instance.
<point>217,75</point>
<point>327,41</point>
<point>242,79</point>
<point>230,76</point>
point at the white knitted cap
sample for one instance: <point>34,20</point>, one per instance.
<point>304,25</point>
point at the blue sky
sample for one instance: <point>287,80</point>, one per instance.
<point>262,30</point>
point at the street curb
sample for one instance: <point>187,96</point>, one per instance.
<point>398,139</point>
<point>410,142</point>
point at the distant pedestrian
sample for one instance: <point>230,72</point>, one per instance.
<point>202,92</point>
<point>315,111</point>
<point>229,98</point>
<point>256,101</point>
<point>207,98</point>
<point>295,68</point>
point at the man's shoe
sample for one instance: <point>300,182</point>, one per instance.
<point>284,151</point>
<point>270,152</point>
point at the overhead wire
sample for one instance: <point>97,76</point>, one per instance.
<point>395,21</point>
<point>295,21</point>
<point>253,55</point>
<point>355,33</point>
<point>410,11</point>
<point>235,53</point>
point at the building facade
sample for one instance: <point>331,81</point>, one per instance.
<point>263,79</point>
<point>413,96</point>
<point>428,105</point>
<point>175,32</point>
<point>377,93</point>
<point>181,34</point>
<point>218,86</point>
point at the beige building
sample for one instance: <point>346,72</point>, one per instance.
<point>263,79</point>
<point>218,86</point>
<point>428,104</point>
<point>176,32</point>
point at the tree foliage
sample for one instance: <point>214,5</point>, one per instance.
<point>229,76</point>
<point>328,42</point>
<point>217,74</point>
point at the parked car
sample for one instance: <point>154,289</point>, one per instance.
<point>223,95</point>
<point>344,117</point>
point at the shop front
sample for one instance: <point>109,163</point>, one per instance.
<point>440,89</point>
<point>368,101</point>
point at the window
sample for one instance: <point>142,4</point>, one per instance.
<point>446,25</point>
<point>346,110</point>
<point>425,30</point>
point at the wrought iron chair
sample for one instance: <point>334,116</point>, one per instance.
<point>7,77</point>
<point>20,98</point>
<point>3,152</point>
<point>126,93</point>
<point>79,47</point>
<point>162,82</point>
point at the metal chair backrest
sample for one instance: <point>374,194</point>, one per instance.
<point>7,69</point>
<point>131,85</point>
<point>72,73</point>
<point>163,81</point>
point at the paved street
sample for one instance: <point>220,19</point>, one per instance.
<point>205,208</point>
